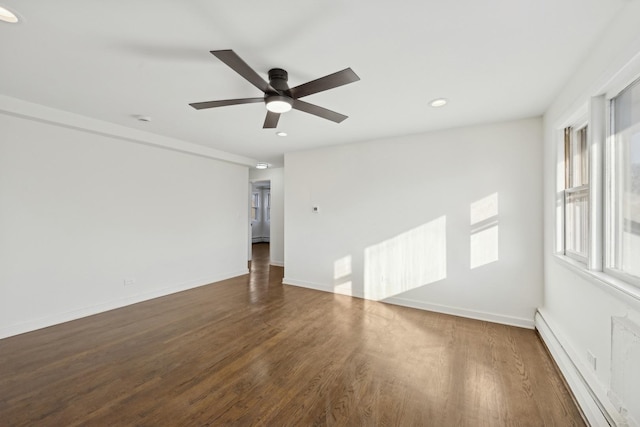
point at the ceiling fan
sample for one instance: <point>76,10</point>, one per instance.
<point>278,97</point>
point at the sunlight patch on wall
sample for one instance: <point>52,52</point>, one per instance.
<point>342,276</point>
<point>345,288</point>
<point>484,231</point>
<point>410,260</point>
<point>342,268</point>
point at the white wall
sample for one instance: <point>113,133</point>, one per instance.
<point>276,176</point>
<point>577,311</point>
<point>81,211</point>
<point>394,220</point>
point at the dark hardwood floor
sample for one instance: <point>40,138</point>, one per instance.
<point>250,351</point>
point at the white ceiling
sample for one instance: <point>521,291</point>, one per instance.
<point>493,59</point>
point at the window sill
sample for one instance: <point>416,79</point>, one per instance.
<point>614,286</point>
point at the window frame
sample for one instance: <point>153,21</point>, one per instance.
<point>569,138</point>
<point>597,112</point>
<point>255,206</point>
<point>608,191</point>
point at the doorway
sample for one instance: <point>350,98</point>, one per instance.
<point>260,213</point>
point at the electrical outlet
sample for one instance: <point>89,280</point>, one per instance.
<point>128,281</point>
<point>592,359</point>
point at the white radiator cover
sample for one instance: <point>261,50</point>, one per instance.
<point>625,369</point>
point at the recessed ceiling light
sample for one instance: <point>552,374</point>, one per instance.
<point>281,133</point>
<point>7,16</point>
<point>439,102</point>
<point>262,165</point>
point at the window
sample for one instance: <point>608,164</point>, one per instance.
<point>255,206</point>
<point>623,186</point>
<point>576,193</point>
<point>268,205</point>
<point>598,182</point>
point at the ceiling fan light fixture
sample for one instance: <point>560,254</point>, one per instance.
<point>279,104</point>
<point>8,16</point>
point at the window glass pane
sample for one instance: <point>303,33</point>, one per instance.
<point>576,163</point>
<point>268,206</point>
<point>576,157</point>
<point>577,222</point>
<point>582,166</point>
<point>624,181</point>
<point>255,204</point>
<point>576,194</point>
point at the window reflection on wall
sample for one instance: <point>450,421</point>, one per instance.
<point>342,276</point>
<point>484,231</point>
<point>407,261</point>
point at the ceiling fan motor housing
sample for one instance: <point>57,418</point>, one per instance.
<point>278,79</point>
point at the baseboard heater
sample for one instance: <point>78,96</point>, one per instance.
<point>625,369</point>
<point>595,403</point>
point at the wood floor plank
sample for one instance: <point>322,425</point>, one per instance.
<point>250,351</point>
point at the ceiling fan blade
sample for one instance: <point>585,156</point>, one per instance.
<point>318,111</point>
<point>225,102</point>
<point>339,78</point>
<point>271,121</point>
<point>236,63</point>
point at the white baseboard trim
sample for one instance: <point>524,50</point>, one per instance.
<point>55,319</point>
<point>277,263</point>
<point>321,287</point>
<point>589,394</point>
<point>463,312</point>
<point>455,311</point>
<point>309,285</point>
